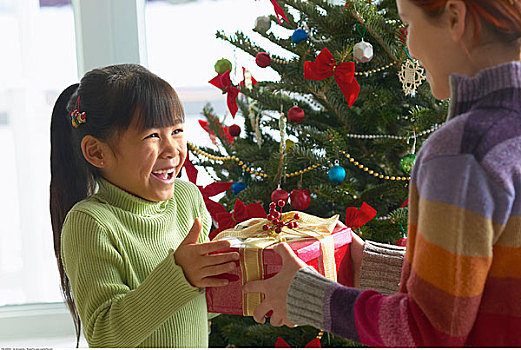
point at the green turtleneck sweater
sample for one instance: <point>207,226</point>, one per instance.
<point>118,252</point>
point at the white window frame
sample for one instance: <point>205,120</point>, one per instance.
<point>107,32</point>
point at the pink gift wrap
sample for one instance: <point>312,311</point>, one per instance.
<point>229,299</point>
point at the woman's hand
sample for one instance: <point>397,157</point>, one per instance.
<point>199,266</point>
<point>275,289</point>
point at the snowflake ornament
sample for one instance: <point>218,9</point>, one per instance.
<point>411,76</point>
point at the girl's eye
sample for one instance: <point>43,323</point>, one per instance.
<point>152,135</point>
<point>177,131</point>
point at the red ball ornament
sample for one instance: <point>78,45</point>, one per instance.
<point>234,130</point>
<point>295,114</point>
<point>300,199</point>
<point>281,203</point>
<point>402,242</point>
<point>263,59</point>
<point>278,230</point>
<point>265,227</point>
<point>278,195</point>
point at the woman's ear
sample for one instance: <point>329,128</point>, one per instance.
<point>456,16</point>
<point>94,151</point>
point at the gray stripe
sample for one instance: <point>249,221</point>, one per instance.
<point>305,298</point>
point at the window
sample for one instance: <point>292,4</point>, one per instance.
<point>182,49</point>
<point>38,61</point>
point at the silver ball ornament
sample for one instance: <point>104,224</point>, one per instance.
<point>262,24</point>
<point>363,52</point>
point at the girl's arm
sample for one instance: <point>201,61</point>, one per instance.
<point>113,314</point>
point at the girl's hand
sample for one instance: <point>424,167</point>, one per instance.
<point>275,289</point>
<point>198,264</point>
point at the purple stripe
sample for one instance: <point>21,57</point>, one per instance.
<point>503,162</point>
<point>461,181</point>
<point>445,141</point>
<point>485,131</point>
<point>342,312</point>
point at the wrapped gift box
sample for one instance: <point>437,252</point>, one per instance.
<point>327,252</point>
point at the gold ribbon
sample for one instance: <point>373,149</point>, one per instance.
<point>254,239</point>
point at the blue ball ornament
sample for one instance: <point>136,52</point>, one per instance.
<point>299,35</point>
<point>336,174</point>
<point>237,187</point>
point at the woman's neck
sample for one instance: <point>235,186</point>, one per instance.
<point>492,53</point>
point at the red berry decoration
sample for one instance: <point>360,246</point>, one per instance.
<point>295,114</point>
<point>263,59</point>
<point>278,195</point>
<point>234,130</point>
<point>275,218</point>
<point>300,199</point>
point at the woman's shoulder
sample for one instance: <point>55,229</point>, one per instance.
<point>476,133</point>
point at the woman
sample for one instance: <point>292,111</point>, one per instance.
<point>461,281</point>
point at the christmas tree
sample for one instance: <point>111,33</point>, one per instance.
<point>338,129</point>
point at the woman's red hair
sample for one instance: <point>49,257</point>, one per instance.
<point>502,16</point>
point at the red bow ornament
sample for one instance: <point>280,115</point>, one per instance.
<point>224,133</point>
<point>223,82</point>
<point>208,191</point>
<point>325,66</point>
<point>279,11</point>
<point>281,343</point>
<point>241,213</point>
<point>356,218</point>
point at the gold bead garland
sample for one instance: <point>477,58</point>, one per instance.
<point>372,172</point>
<point>376,70</point>
<point>295,173</point>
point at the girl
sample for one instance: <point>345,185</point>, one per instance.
<point>461,279</point>
<point>125,229</point>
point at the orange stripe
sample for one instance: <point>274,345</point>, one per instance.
<point>457,275</point>
<point>507,262</point>
<point>411,239</point>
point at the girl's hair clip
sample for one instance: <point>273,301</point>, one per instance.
<point>78,117</point>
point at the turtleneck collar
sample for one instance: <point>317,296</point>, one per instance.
<point>121,199</point>
<point>494,87</point>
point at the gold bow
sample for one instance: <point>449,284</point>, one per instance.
<point>253,239</point>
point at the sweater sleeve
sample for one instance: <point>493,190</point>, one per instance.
<point>455,212</point>
<point>112,314</point>
<point>381,267</point>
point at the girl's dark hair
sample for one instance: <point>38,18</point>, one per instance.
<point>110,97</point>
<point>502,17</point>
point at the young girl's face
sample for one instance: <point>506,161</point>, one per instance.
<point>146,162</point>
<point>428,41</point>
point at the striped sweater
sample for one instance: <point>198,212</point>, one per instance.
<point>118,254</point>
<point>461,277</point>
